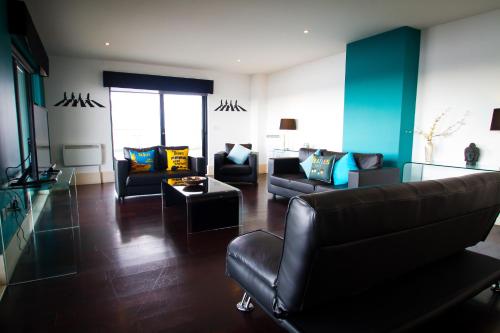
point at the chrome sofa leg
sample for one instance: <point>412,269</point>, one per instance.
<point>496,287</point>
<point>245,305</point>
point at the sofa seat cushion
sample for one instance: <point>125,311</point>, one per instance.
<point>296,182</point>
<point>235,169</point>
<point>145,178</point>
<point>326,188</point>
<point>177,173</point>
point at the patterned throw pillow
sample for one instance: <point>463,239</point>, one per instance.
<point>177,159</point>
<point>142,161</point>
<point>322,167</point>
<point>307,164</point>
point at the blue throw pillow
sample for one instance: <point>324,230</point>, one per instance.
<point>307,163</point>
<point>239,154</point>
<point>322,168</point>
<point>142,161</point>
<point>342,167</point>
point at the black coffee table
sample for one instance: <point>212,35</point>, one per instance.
<point>210,205</point>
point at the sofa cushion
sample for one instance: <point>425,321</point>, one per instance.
<point>308,163</point>
<point>162,155</point>
<point>342,168</point>
<point>322,167</point>
<point>296,182</point>
<point>364,161</point>
<point>235,169</point>
<point>177,173</point>
<point>304,153</point>
<point>328,187</point>
<point>145,178</point>
<point>126,154</point>
<point>142,161</point>
<point>229,146</point>
<point>239,154</point>
<point>369,161</point>
<point>177,159</point>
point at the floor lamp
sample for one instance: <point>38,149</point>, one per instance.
<point>287,124</point>
<point>495,121</point>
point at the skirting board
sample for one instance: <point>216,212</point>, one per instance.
<point>87,178</point>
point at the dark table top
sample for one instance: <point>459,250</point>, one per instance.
<point>208,187</point>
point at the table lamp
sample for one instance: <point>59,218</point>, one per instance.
<point>287,124</point>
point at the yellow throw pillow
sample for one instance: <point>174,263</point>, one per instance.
<point>177,159</point>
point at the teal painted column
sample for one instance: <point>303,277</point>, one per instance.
<point>380,93</point>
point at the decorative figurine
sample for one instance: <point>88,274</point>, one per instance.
<point>471,155</point>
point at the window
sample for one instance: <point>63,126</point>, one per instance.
<point>136,119</point>
<point>145,118</point>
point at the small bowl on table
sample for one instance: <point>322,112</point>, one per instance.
<point>193,180</point>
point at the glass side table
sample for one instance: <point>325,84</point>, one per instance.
<point>418,171</point>
<point>40,239</point>
<point>280,152</point>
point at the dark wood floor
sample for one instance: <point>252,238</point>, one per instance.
<point>139,274</point>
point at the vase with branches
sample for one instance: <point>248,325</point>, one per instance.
<point>435,131</point>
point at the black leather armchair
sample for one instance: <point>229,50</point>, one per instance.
<point>227,171</point>
<point>378,259</point>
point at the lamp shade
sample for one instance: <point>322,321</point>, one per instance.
<point>288,124</point>
<point>495,120</point>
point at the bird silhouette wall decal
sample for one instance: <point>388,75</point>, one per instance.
<point>74,101</point>
<point>230,106</point>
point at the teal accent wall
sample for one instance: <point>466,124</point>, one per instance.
<point>380,93</point>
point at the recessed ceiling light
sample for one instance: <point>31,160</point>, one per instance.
<point>238,60</point>
<point>107,44</point>
<point>306,31</point>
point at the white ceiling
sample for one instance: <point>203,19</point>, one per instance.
<point>266,35</point>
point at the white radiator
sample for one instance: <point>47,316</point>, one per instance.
<point>82,155</point>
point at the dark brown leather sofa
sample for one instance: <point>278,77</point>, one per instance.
<point>286,178</point>
<point>375,259</point>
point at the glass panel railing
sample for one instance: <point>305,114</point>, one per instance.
<point>40,239</point>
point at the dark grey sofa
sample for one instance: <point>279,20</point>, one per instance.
<point>373,259</point>
<point>286,178</point>
<point>128,184</point>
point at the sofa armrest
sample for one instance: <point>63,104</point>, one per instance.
<point>253,261</point>
<point>253,161</point>
<point>383,176</point>
<point>283,165</point>
<point>121,173</point>
<point>218,162</point>
<point>198,165</point>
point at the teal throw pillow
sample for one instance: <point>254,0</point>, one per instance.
<point>307,163</point>
<point>239,154</point>
<point>342,167</point>
<point>322,168</point>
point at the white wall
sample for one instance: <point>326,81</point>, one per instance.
<point>86,125</point>
<point>312,93</point>
<point>460,70</point>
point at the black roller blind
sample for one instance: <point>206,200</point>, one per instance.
<point>157,82</point>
